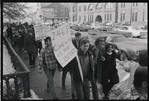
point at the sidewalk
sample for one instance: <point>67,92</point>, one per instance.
<point>38,81</point>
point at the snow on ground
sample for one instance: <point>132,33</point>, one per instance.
<point>7,64</point>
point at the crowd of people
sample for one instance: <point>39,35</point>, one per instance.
<point>97,62</point>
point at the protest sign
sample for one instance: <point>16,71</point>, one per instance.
<point>41,31</point>
<point>37,21</point>
<point>61,41</point>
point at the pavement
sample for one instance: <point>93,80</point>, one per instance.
<point>38,81</point>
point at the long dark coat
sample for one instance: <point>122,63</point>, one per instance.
<point>30,44</point>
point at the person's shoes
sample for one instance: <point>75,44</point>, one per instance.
<point>73,96</point>
<point>55,99</point>
<point>48,90</point>
<point>63,87</point>
<point>106,98</point>
<point>32,66</point>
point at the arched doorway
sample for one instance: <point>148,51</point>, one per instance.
<point>98,19</point>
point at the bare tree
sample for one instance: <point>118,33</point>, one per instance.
<point>12,10</point>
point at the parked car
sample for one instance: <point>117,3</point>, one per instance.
<point>109,31</point>
<point>129,48</point>
<point>115,30</point>
<point>135,31</point>
<point>75,27</point>
<point>96,32</point>
<point>99,26</point>
<point>84,27</point>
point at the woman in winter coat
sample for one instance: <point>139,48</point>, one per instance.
<point>109,75</point>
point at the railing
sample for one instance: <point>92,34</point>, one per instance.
<point>20,77</point>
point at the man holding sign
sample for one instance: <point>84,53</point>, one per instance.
<point>85,61</point>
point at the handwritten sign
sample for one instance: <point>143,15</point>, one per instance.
<point>37,21</point>
<point>64,50</point>
<point>41,31</point>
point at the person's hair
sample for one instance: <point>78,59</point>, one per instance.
<point>108,45</point>
<point>143,58</point>
<point>30,31</point>
<point>77,34</point>
<point>84,41</point>
<point>47,38</point>
<point>98,40</point>
<point>140,76</point>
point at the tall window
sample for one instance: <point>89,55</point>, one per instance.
<point>88,18</point>
<point>136,16</point>
<point>92,17</point>
<point>85,8</point>
<point>85,18</point>
<point>122,5</point>
<point>135,4</point>
<point>110,17</point>
<point>79,18</point>
<point>79,8</point>
<point>73,9</point>
<point>73,18</point>
<point>133,16</point>
<point>99,6</point>
<point>123,16</point>
<point>105,17</point>
<point>90,8</point>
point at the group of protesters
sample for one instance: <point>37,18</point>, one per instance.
<point>97,62</point>
<point>98,65</point>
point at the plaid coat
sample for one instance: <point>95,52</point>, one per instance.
<point>47,58</point>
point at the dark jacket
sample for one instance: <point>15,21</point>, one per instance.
<point>108,66</point>
<point>9,32</point>
<point>75,43</point>
<point>98,66</point>
<point>75,68</point>
<point>30,44</point>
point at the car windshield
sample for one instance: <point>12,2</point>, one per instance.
<point>119,39</point>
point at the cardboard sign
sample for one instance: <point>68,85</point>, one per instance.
<point>41,31</point>
<point>61,41</point>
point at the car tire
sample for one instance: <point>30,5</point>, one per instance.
<point>123,56</point>
<point>138,36</point>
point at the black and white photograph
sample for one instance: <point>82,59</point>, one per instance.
<point>74,51</point>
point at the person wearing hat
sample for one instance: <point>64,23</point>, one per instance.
<point>30,47</point>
